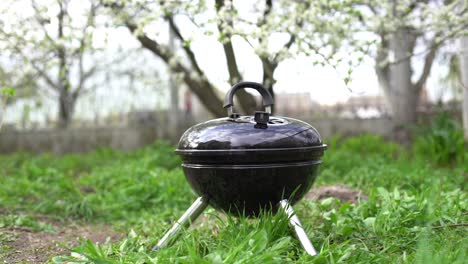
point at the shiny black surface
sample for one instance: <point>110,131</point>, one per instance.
<point>245,189</point>
<point>240,133</point>
<point>242,166</point>
<point>237,141</point>
<point>252,156</point>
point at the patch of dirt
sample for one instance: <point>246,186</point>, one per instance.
<point>87,189</point>
<point>209,218</point>
<point>26,246</point>
<point>339,191</point>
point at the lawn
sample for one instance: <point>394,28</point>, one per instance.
<point>416,210</point>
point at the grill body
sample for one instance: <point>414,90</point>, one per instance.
<point>243,164</point>
<point>243,169</point>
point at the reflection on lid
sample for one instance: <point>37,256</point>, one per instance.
<point>226,133</point>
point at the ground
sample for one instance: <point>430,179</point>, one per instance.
<point>24,245</point>
<point>339,191</point>
<point>373,202</point>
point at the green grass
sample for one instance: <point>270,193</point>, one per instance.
<point>410,216</point>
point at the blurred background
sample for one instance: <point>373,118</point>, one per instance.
<point>77,75</point>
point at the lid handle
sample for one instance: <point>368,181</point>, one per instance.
<point>266,96</point>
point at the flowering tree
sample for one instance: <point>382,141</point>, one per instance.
<point>334,32</point>
<point>291,22</point>
<point>52,44</point>
<point>409,31</point>
<point>5,94</point>
<point>464,81</point>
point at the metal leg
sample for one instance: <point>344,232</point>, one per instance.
<point>296,224</point>
<point>192,213</point>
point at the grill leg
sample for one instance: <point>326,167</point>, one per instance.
<point>192,213</point>
<point>296,224</point>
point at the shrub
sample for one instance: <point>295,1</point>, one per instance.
<point>442,142</point>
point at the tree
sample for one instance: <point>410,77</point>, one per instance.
<point>25,84</point>
<point>402,34</point>
<point>5,94</point>
<point>54,40</point>
<point>396,34</point>
<point>409,33</point>
<point>464,82</point>
<point>221,19</point>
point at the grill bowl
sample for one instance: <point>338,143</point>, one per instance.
<point>247,189</point>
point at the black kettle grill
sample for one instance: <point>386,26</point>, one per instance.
<point>242,164</point>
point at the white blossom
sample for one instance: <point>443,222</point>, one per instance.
<point>173,62</point>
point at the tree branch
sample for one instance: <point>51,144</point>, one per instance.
<point>246,100</point>
<point>42,73</point>
<point>428,62</point>
<point>63,68</point>
<point>19,50</point>
<point>152,45</point>
<point>234,74</point>
<point>46,77</point>
<point>266,12</point>
<point>436,42</point>
<point>269,66</point>
<point>84,75</point>
<point>41,21</point>
<point>292,37</point>
<point>381,66</point>
<point>186,48</point>
<point>200,86</point>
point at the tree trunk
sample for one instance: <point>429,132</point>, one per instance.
<point>268,84</point>
<point>404,97</point>
<point>464,79</point>
<point>402,93</point>
<point>246,100</point>
<point>393,68</point>
<point>206,93</point>
<point>269,81</point>
<point>174,92</point>
<point>2,110</point>
<point>66,108</point>
<point>394,72</point>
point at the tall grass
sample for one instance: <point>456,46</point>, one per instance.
<point>442,142</point>
<point>411,215</point>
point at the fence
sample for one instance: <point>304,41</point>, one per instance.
<point>135,135</point>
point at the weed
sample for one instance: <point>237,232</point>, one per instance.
<point>24,221</point>
<point>442,142</point>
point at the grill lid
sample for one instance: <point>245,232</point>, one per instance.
<point>250,139</point>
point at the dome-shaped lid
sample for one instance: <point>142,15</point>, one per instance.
<point>241,133</point>
<point>250,139</point>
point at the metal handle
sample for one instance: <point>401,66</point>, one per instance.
<point>229,98</point>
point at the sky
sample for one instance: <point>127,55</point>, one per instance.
<point>297,75</point>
